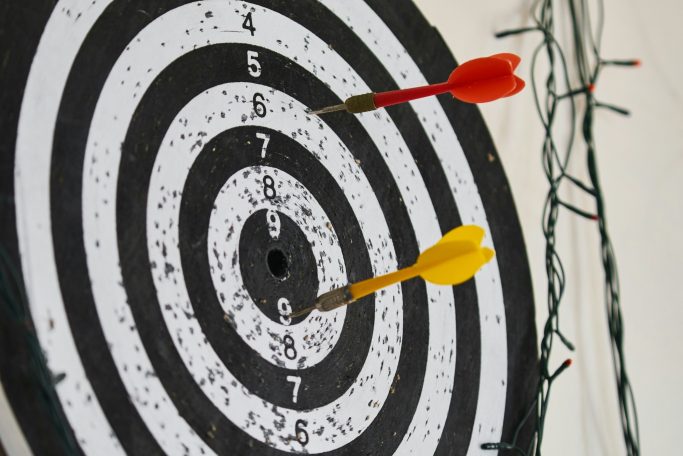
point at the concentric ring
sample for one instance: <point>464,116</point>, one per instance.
<point>226,154</point>
<point>387,333</point>
<point>240,198</point>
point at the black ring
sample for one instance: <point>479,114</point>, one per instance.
<point>136,167</point>
<point>222,157</point>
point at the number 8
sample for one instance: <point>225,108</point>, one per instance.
<point>290,351</point>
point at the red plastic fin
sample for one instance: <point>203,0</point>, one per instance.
<point>520,85</point>
<point>514,59</point>
<point>485,90</point>
<point>482,80</point>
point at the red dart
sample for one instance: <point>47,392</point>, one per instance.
<point>475,81</point>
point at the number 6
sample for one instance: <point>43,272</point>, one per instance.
<point>253,64</point>
<point>259,107</point>
<point>300,430</point>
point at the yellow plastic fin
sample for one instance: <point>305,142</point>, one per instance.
<point>472,233</point>
<point>488,253</point>
<point>452,263</point>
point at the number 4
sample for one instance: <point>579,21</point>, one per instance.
<point>297,381</point>
<point>248,24</point>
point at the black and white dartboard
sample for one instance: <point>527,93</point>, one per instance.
<point>168,201</point>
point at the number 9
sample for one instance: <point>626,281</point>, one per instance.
<point>274,223</point>
<point>284,308</point>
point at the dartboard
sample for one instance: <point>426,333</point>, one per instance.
<point>168,201</point>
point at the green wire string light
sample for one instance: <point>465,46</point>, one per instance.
<point>555,157</point>
<point>14,305</point>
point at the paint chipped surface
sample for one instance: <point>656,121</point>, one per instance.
<point>185,29</point>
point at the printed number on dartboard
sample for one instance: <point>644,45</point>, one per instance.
<point>265,137</point>
<point>301,434</point>
<point>284,307</point>
<point>258,104</point>
<point>253,65</point>
<point>290,349</point>
<point>269,187</point>
<point>248,24</point>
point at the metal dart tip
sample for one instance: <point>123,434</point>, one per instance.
<point>302,312</point>
<point>328,301</point>
<point>328,109</point>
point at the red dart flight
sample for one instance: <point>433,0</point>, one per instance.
<point>475,81</point>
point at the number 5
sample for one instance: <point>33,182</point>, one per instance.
<point>253,64</point>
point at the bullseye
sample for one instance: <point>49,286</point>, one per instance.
<point>277,263</point>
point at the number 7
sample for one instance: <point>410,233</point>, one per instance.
<point>266,138</point>
<point>297,381</point>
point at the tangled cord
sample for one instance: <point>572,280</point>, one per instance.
<point>15,307</point>
<point>589,63</point>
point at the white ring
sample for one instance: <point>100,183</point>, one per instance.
<point>240,197</point>
<point>362,401</point>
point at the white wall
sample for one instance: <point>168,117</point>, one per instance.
<point>641,164</point>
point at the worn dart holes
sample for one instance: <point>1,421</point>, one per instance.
<point>277,264</point>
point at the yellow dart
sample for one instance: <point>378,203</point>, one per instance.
<point>453,260</point>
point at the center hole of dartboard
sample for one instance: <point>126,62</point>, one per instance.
<point>277,264</point>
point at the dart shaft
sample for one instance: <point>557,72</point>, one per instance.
<point>369,286</point>
<point>371,101</point>
<point>393,97</point>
